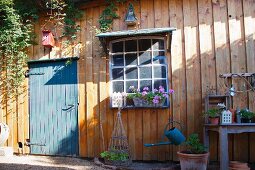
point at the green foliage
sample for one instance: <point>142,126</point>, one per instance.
<point>108,15</point>
<point>194,146</point>
<point>72,14</point>
<point>15,37</point>
<point>114,155</point>
<point>212,113</point>
<point>246,114</point>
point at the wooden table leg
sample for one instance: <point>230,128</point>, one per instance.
<point>223,140</point>
<point>206,138</point>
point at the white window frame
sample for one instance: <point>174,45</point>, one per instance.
<point>138,64</point>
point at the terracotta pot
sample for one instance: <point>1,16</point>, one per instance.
<point>193,161</point>
<point>238,165</point>
<point>233,111</point>
<point>214,120</point>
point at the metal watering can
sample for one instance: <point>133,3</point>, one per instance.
<point>173,134</point>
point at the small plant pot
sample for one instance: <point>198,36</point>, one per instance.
<point>214,120</point>
<point>246,120</point>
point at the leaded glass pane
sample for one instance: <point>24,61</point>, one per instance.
<point>158,83</point>
<point>131,46</point>
<point>145,72</point>
<point>117,47</point>
<point>117,86</point>
<point>159,57</point>
<point>159,72</point>
<point>117,60</point>
<point>131,83</point>
<point>158,44</point>
<point>131,73</point>
<point>145,83</point>
<point>131,59</point>
<point>144,44</point>
<point>117,74</point>
<point>144,58</point>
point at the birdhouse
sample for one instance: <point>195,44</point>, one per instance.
<point>48,39</point>
<point>226,117</point>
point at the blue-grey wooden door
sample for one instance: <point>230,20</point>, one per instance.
<point>53,108</point>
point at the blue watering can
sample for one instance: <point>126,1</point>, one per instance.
<point>173,134</point>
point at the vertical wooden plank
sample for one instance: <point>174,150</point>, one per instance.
<point>96,74</point>
<point>192,66</point>
<point>123,26</point>
<point>238,65</point>
<point>222,55</point>
<point>208,75</point>
<point>160,11</point>
<point>103,99</point>
<point>89,84</point>
<point>147,21</point>
<point>208,65</point>
<point>249,25</point>
<point>134,130</point>
<point>82,87</point>
<point>178,67</point>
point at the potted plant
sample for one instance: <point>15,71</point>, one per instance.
<point>196,156</point>
<point>114,157</point>
<point>246,116</point>
<point>147,98</point>
<point>213,116</point>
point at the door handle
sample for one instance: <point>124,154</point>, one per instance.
<point>69,106</point>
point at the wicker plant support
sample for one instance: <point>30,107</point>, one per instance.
<point>119,143</point>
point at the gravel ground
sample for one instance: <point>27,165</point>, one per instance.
<point>30,162</point>
<point>46,163</point>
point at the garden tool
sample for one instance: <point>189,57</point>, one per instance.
<point>173,134</point>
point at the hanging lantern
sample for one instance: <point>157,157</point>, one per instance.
<point>130,17</point>
<point>48,39</point>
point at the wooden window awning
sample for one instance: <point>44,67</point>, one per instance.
<point>140,32</point>
<point>108,36</point>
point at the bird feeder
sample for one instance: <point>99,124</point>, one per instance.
<point>48,39</point>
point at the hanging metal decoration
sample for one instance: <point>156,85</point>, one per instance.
<point>130,16</point>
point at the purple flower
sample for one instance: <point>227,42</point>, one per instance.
<point>144,93</point>
<point>146,89</point>
<point>161,89</point>
<point>155,101</point>
<point>156,97</point>
<point>155,90</point>
<point>171,91</point>
<point>165,95</point>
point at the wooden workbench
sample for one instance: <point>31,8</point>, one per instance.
<point>224,130</point>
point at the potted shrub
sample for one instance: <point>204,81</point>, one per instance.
<point>246,116</point>
<point>196,156</point>
<point>213,116</point>
<point>115,157</point>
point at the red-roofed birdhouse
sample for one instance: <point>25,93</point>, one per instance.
<point>48,39</point>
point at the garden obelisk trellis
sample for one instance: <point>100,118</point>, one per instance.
<point>118,142</point>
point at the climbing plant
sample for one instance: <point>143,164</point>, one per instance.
<point>15,37</point>
<point>17,19</point>
<point>108,15</point>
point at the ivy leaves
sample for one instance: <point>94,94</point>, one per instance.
<point>14,39</point>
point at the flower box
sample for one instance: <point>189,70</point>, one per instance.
<point>156,98</point>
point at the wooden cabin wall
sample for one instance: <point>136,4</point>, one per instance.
<point>212,37</point>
